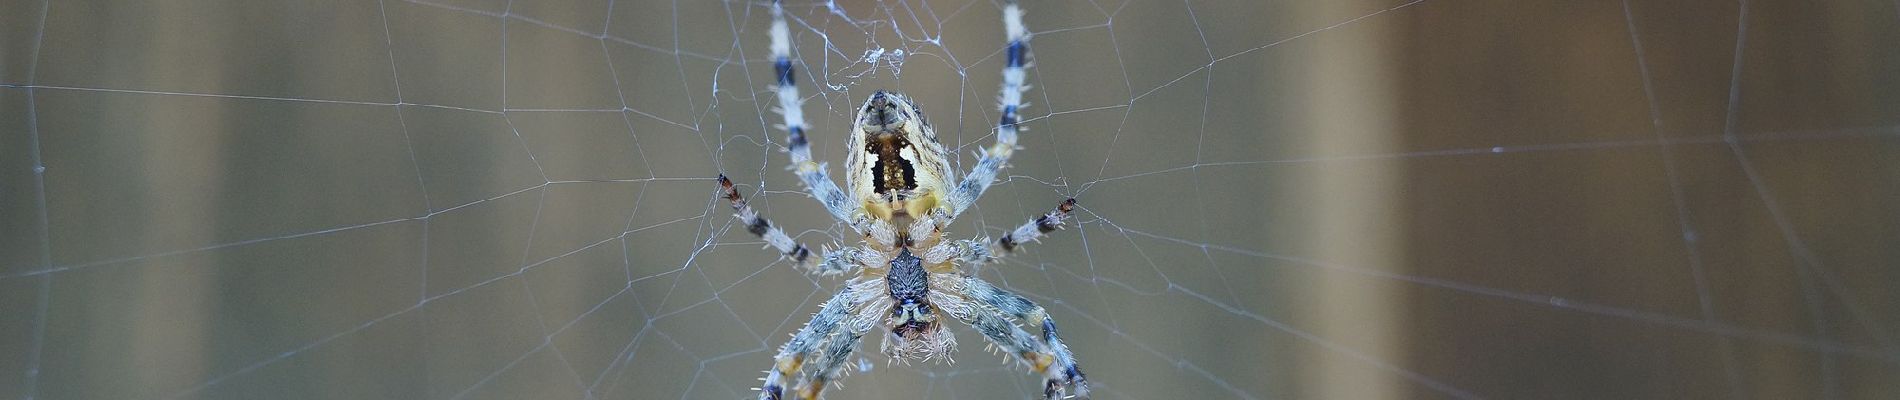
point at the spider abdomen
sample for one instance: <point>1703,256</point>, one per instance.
<point>897,168</point>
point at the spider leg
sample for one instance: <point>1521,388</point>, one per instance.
<point>988,308</point>
<point>964,251</point>
<point>836,351</point>
<point>816,177</point>
<point>980,252</point>
<point>835,261</point>
<point>991,160</point>
<point>1034,229</point>
<point>759,226</point>
<point>812,340</point>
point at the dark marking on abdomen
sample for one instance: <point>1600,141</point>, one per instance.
<point>894,173</point>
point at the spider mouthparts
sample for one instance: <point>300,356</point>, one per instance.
<point>914,320</point>
<point>911,330</point>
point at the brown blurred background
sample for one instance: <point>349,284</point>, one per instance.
<point>1358,199</point>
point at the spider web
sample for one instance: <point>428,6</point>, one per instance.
<point>1358,199</point>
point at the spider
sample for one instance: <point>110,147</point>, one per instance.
<point>902,194</point>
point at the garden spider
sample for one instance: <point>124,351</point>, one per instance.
<point>902,194</point>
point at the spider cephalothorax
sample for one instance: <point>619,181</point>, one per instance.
<point>902,193</point>
<point>915,330</point>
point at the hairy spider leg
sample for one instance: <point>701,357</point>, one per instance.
<point>836,352</point>
<point>991,160</point>
<point>795,354</point>
<point>762,227</point>
<point>836,262</point>
<point>979,252</point>
<point>815,175</point>
<point>1035,228</point>
<point>988,308</point>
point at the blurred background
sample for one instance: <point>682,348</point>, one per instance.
<point>447,199</point>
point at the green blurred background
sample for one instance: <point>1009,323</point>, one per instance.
<point>1357,199</point>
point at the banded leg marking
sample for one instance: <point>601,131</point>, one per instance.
<point>815,176</point>
<point>758,225</point>
<point>1035,229</point>
<point>991,160</point>
<point>1051,358</point>
<point>833,356</point>
<point>795,354</point>
<point>979,252</point>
